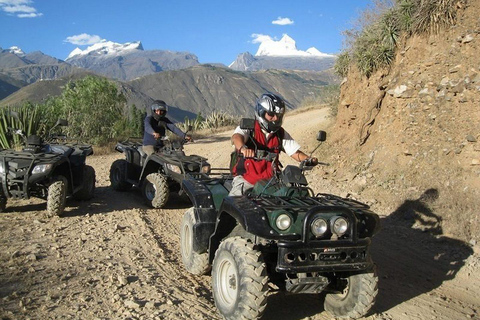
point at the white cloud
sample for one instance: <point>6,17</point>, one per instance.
<point>29,15</point>
<point>260,38</point>
<point>283,21</point>
<point>20,8</point>
<point>83,39</point>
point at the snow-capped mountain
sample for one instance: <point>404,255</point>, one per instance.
<point>286,47</point>
<point>107,48</point>
<point>17,51</point>
<point>283,54</point>
<point>129,60</point>
<point>14,57</point>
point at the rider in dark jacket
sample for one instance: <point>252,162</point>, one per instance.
<point>156,126</point>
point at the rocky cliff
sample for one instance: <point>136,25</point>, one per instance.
<point>407,138</point>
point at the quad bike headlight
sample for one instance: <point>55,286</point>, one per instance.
<point>174,168</point>
<point>283,221</point>
<point>339,225</point>
<point>319,227</point>
<point>205,169</point>
<point>41,168</point>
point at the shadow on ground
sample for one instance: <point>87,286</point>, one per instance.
<point>107,200</point>
<point>412,256</point>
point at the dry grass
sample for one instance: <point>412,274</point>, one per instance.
<point>435,15</point>
<point>373,43</point>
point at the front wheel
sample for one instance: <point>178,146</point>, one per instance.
<point>239,280</point>
<point>196,263</point>
<point>57,195</point>
<point>155,190</point>
<point>355,297</point>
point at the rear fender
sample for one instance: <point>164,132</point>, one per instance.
<point>133,156</point>
<point>205,213</point>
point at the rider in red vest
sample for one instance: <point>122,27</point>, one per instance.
<point>268,135</point>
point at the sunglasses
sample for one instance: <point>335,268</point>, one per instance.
<point>272,114</point>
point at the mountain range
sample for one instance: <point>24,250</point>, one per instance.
<point>176,77</point>
<point>129,61</point>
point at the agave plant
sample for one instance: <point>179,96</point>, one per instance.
<point>218,119</point>
<point>26,118</point>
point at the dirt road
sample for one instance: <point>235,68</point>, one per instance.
<point>115,258</point>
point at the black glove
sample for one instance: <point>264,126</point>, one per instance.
<point>311,162</point>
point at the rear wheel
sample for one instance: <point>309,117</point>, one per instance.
<point>155,190</point>
<point>57,195</point>
<point>3,200</point>
<point>194,262</point>
<point>118,175</point>
<point>239,280</point>
<point>355,297</point>
<point>88,188</point>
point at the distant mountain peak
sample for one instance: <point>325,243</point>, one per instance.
<point>244,60</point>
<point>16,50</point>
<point>286,47</point>
<point>109,48</point>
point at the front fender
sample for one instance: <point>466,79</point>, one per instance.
<point>152,164</point>
<point>252,218</point>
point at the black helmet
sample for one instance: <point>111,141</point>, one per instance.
<point>159,105</point>
<point>273,105</point>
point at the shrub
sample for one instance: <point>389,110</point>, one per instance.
<point>374,46</point>
<point>92,106</point>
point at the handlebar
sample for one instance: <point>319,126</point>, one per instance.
<point>262,155</point>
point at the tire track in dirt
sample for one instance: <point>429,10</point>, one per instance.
<point>193,292</point>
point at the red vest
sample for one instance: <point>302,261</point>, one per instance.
<point>256,170</point>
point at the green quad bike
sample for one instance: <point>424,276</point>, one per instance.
<point>281,234</point>
<point>157,175</point>
<point>52,169</point>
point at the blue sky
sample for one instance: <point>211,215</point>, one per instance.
<point>215,31</point>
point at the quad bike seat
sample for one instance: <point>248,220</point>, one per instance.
<point>61,149</point>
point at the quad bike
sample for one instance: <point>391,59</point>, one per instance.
<point>52,169</point>
<point>156,175</point>
<point>280,234</point>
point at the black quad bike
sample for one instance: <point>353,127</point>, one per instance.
<point>279,235</point>
<point>156,175</point>
<point>52,169</point>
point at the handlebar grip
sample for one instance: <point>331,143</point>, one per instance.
<point>310,162</point>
